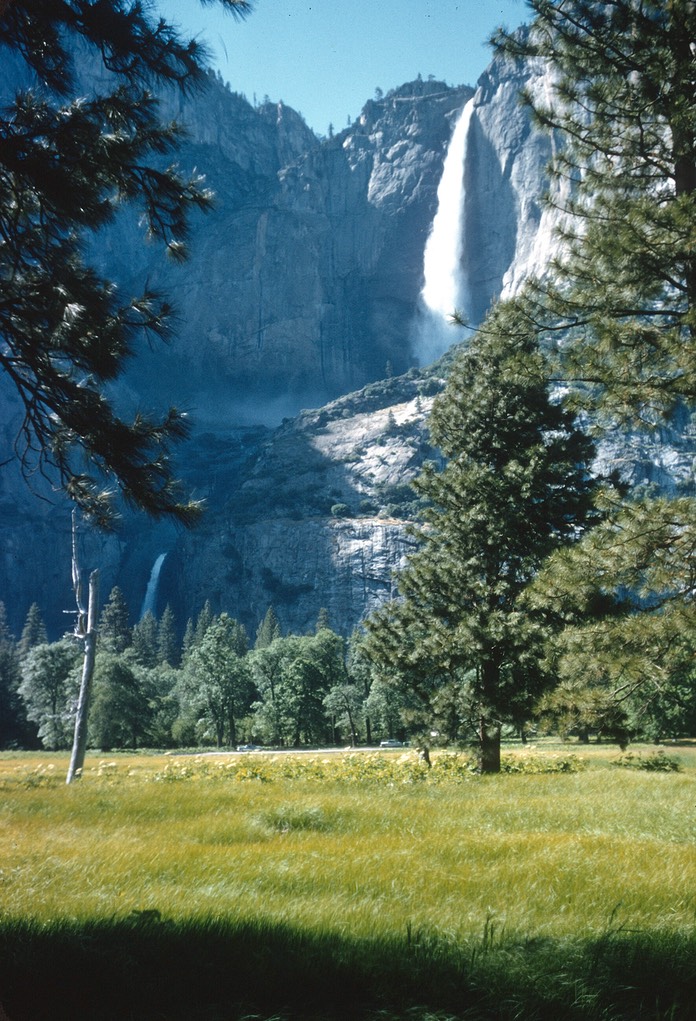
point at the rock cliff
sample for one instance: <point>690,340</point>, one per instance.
<point>304,279</point>
<point>302,289</point>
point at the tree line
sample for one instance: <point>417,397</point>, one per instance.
<point>213,688</point>
<point>217,688</point>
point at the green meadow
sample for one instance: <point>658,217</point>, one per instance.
<point>352,885</point>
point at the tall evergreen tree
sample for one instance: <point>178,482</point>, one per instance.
<point>268,630</point>
<point>167,643</point>
<point>33,632</point>
<point>323,623</point>
<point>115,633</point>
<point>188,640</point>
<point>622,295</point>
<point>515,486</point>
<point>145,641</point>
<point>622,102</point>
<point>13,725</point>
<point>67,161</point>
<point>204,620</point>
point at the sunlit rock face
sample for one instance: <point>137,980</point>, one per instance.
<point>316,517</point>
<point>305,284</point>
<point>304,279</point>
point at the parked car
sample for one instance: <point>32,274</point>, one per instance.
<point>249,748</point>
<point>391,743</point>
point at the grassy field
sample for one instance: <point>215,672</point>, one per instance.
<point>218,887</point>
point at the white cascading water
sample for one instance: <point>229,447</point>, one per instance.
<point>444,287</point>
<point>150,600</point>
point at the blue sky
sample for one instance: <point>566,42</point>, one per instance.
<point>325,58</point>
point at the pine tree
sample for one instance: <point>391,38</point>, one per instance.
<point>268,630</point>
<point>188,640</point>
<point>204,620</point>
<point>622,296</point>
<point>33,632</point>
<point>515,486</point>
<point>67,162</point>
<point>167,644</point>
<point>323,623</point>
<point>626,596</point>
<point>145,644</point>
<point>622,103</point>
<point>13,725</point>
<point>115,633</point>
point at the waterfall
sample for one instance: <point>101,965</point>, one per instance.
<point>444,286</point>
<point>150,600</point>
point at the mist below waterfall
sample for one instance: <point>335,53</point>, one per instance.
<point>444,282</point>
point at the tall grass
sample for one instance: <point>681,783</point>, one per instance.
<point>563,891</point>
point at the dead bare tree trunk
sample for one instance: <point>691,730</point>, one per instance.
<point>86,629</point>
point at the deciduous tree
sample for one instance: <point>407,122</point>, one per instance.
<point>50,682</point>
<point>217,679</point>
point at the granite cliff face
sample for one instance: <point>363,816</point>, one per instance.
<point>302,289</point>
<point>317,515</point>
<point>303,281</point>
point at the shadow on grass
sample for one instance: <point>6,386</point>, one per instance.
<point>145,968</point>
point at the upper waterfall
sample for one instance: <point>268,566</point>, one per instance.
<point>444,283</point>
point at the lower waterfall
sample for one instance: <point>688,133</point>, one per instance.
<point>150,600</point>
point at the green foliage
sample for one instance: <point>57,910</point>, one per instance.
<point>167,643</point>
<point>68,162</point>
<point>50,683</point>
<point>345,703</point>
<point>657,762</point>
<point>514,486</point>
<point>625,593</point>
<point>268,630</point>
<point>216,685</point>
<point>33,632</point>
<point>160,687</point>
<point>119,713</point>
<point>323,621</point>
<point>13,723</point>
<point>293,675</point>
<point>145,646</point>
<point>115,633</point>
<point>622,296</point>
<point>621,101</point>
